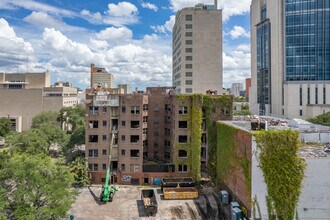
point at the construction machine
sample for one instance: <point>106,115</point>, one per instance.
<point>108,191</point>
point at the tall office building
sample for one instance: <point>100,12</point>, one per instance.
<point>197,50</point>
<point>100,77</point>
<point>290,46</point>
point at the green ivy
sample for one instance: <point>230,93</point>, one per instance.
<point>226,148</point>
<point>283,170</point>
<point>199,103</point>
<point>245,164</point>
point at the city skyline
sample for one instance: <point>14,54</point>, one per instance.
<point>131,39</point>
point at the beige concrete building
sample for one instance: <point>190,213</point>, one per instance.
<point>197,50</point>
<point>22,96</point>
<point>99,76</point>
<point>290,64</point>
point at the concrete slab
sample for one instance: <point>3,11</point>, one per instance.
<point>127,205</point>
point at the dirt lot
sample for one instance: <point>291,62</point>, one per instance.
<point>128,205</point>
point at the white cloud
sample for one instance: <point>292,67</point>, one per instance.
<point>230,7</point>
<point>167,27</point>
<point>113,33</point>
<point>99,44</point>
<point>42,19</point>
<point>124,13</point>
<point>14,50</point>
<point>148,38</point>
<point>149,6</point>
<point>94,18</point>
<point>239,31</point>
<point>64,48</point>
<point>35,6</point>
<point>244,47</point>
<point>236,67</point>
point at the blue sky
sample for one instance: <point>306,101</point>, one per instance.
<point>132,39</point>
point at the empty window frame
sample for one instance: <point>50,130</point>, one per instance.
<point>135,153</point>
<point>135,138</point>
<point>183,154</point>
<point>93,124</point>
<point>135,124</point>
<point>183,139</point>
<point>93,138</point>
<point>183,124</point>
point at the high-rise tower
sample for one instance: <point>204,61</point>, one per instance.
<point>290,62</point>
<point>197,49</point>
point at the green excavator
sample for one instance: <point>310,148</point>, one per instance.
<point>108,191</point>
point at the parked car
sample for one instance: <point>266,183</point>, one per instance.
<point>327,148</point>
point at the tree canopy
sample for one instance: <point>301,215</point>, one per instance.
<point>34,187</point>
<point>44,118</point>
<point>72,117</point>
<point>323,119</point>
<point>5,127</point>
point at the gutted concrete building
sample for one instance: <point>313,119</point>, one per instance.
<point>157,133</point>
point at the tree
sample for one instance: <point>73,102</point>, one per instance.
<point>323,119</point>
<point>30,142</point>
<point>44,118</point>
<point>34,187</point>
<point>5,127</point>
<point>72,117</point>
<point>53,134</point>
<point>71,149</point>
<point>79,170</point>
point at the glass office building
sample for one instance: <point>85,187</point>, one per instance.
<point>307,40</point>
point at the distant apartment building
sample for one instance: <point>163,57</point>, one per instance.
<point>126,87</point>
<point>236,89</point>
<point>155,134</point>
<point>24,95</point>
<point>197,50</point>
<point>99,76</point>
<point>290,52</point>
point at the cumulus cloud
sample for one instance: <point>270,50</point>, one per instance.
<point>230,7</point>
<point>239,31</point>
<point>167,27</point>
<point>236,67</point>
<point>123,13</point>
<point>113,33</point>
<point>149,6</point>
<point>99,44</point>
<point>14,49</point>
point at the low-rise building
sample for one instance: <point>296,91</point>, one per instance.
<point>24,95</point>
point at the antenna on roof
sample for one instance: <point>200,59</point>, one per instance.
<point>216,3</point>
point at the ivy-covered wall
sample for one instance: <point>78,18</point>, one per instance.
<point>234,153</point>
<point>212,109</point>
<point>283,171</point>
